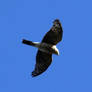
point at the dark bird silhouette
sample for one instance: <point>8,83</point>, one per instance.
<point>46,48</point>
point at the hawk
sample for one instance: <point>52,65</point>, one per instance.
<point>46,48</point>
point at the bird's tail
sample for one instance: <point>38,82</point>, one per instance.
<point>35,44</point>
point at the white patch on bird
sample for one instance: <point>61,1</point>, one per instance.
<point>37,44</point>
<point>55,48</point>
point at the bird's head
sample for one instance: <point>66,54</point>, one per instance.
<point>55,50</point>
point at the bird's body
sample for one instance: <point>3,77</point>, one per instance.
<point>46,48</point>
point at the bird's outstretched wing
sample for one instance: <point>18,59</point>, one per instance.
<point>54,35</point>
<point>43,60</point>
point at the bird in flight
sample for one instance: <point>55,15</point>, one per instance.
<point>46,48</point>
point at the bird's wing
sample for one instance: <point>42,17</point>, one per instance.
<point>53,36</point>
<point>43,60</point>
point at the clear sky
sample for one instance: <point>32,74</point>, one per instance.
<point>31,19</point>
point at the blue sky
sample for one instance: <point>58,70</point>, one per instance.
<point>31,19</point>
